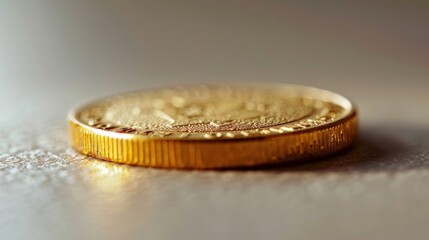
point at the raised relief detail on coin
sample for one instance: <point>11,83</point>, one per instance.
<point>209,112</point>
<point>215,126</point>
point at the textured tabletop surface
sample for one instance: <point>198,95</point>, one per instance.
<point>56,54</point>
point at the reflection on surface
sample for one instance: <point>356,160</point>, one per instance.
<point>107,176</point>
<point>109,197</point>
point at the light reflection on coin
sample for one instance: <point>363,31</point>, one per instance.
<point>209,126</point>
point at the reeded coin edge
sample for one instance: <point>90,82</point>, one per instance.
<point>196,154</point>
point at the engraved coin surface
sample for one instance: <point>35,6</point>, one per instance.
<point>162,127</point>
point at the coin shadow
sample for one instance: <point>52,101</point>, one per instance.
<point>379,148</point>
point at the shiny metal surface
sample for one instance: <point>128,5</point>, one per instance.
<point>56,52</point>
<point>213,127</point>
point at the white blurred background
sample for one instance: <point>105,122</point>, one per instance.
<point>56,54</point>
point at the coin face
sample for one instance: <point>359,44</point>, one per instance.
<point>213,111</point>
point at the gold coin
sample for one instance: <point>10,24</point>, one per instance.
<point>214,126</point>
